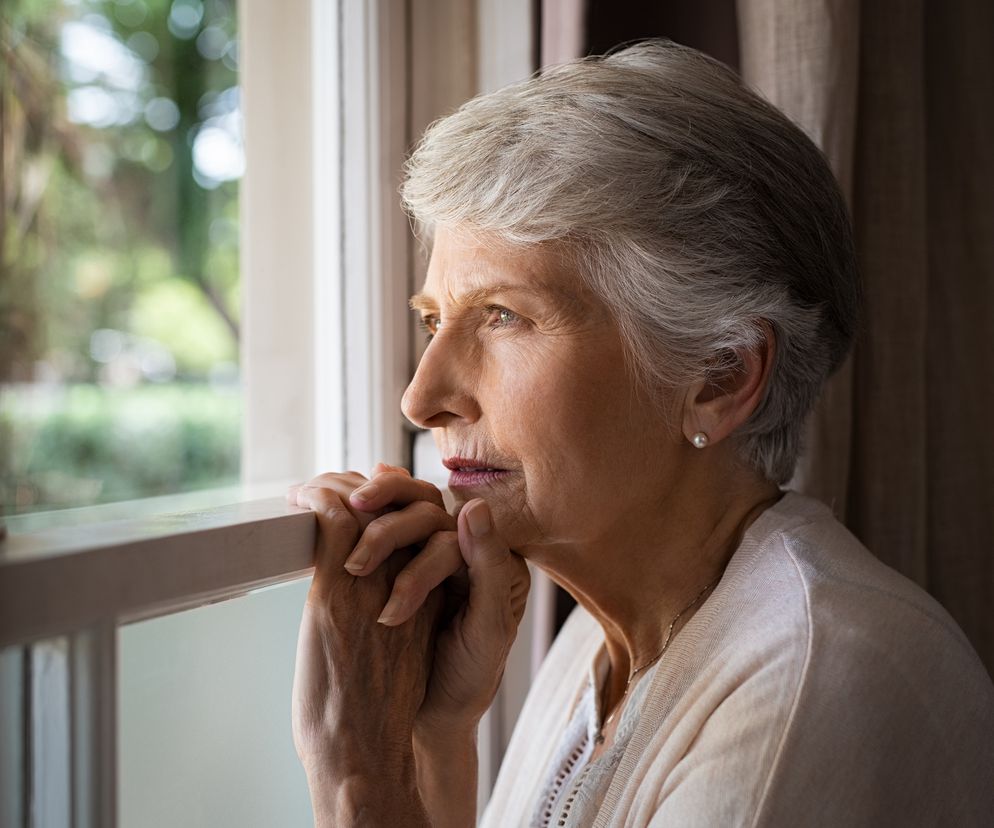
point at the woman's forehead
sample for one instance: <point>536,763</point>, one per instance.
<point>465,267</point>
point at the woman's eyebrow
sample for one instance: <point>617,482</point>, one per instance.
<point>423,301</point>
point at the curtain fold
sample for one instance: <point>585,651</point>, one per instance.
<point>898,93</point>
<point>959,114</point>
<point>804,57</point>
<point>563,34</point>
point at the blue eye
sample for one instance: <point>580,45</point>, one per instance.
<point>502,317</point>
<point>430,325</point>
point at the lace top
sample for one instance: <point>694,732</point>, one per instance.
<point>575,786</point>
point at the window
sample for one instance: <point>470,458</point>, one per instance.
<point>138,702</point>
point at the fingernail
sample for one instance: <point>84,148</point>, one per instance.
<point>364,493</point>
<point>479,520</point>
<point>390,613</point>
<point>357,562</point>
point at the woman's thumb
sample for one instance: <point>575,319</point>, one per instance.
<point>498,579</point>
<point>481,546</point>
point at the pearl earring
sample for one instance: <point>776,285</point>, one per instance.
<point>700,439</point>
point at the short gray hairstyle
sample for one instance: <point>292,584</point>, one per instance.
<point>692,206</point>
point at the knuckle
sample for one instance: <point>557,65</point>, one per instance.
<point>323,479</point>
<point>337,479</point>
<point>404,582</point>
<point>393,483</point>
<point>422,508</point>
<point>318,497</point>
<point>444,543</point>
<point>431,492</point>
<point>449,541</point>
<point>337,515</point>
<point>433,514</point>
<point>407,586</point>
<point>379,532</point>
<point>325,498</point>
<point>401,480</point>
<point>392,475</point>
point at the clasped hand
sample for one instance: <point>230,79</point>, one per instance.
<point>406,628</point>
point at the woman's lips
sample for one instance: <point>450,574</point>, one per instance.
<point>467,473</point>
<point>477,477</point>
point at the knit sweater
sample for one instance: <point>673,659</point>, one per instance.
<point>815,686</point>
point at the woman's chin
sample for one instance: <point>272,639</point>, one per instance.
<point>509,520</point>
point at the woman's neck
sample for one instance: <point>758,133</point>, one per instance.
<point>645,573</point>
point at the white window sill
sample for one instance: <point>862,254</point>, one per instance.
<point>65,571</point>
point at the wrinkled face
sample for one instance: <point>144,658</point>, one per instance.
<point>525,389</point>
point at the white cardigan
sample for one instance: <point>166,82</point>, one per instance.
<point>815,686</point>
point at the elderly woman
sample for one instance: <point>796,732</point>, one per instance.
<point>641,275</point>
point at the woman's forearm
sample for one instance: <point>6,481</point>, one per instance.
<point>447,776</point>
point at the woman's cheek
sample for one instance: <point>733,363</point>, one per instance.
<point>534,368</point>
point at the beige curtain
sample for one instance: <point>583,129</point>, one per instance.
<point>563,32</point>
<point>900,95</point>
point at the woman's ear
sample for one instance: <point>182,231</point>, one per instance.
<point>719,404</point>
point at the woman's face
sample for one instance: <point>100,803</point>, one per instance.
<point>525,388</point>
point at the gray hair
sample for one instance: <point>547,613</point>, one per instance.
<point>693,207</point>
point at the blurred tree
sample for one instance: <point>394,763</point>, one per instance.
<point>105,106</point>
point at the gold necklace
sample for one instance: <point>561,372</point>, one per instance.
<point>599,738</point>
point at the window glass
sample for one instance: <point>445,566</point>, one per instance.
<point>120,143</point>
<point>204,734</point>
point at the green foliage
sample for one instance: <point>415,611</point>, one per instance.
<point>172,311</point>
<point>83,444</point>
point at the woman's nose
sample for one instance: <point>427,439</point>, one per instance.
<point>440,391</point>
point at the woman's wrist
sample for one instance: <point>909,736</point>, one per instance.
<point>382,795</point>
<point>428,730</point>
<point>447,763</point>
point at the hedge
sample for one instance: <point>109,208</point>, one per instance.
<point>81,444</point>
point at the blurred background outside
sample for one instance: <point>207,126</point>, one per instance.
<point>121,151</point>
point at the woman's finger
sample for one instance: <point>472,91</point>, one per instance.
<point>341,482</point>
<point>392,488</point>
<point>339,530</point>
<point>439,560</point>
<point>342,485</point>
<point>395,530</point>
<point>381,468</point>
<point>346,481</point>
